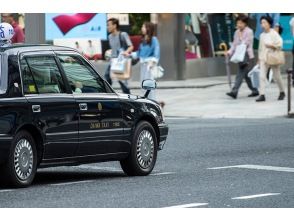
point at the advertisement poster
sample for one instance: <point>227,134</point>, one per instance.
<point>76,25</point>
<point>287,34</point>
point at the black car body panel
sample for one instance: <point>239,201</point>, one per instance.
<point>69,128</point>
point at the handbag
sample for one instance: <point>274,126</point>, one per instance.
<point>120,68</point>
<point>239,54</point>
<point>275,57</point>
<point>157,72</point>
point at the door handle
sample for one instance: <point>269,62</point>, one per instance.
<point>83,106</point>
<point>36,108</point>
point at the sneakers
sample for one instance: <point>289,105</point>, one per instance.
<point>261,99</point>
<point>232,95</point>
<point>253,94</point>
<point>281,96</point>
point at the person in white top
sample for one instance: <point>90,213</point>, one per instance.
<point>292,29</point>
<point>269,40</point>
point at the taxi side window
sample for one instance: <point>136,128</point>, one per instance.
<point>41,75</point>
<point>82,78</point>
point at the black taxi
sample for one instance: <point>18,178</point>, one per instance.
<point>56,110</point>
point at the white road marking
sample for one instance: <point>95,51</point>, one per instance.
<point>176,118</point>
<point>7,190</point>
<point>89,167</point>
<point>257,196</point>
<point>71,183</point>
<point>163,173</point>
<point>190,205</point>
<point>256,167</point>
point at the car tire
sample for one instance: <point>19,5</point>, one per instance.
<point>143,154</point>
<point>20,169</point>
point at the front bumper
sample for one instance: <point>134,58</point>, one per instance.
<point>163,132</point>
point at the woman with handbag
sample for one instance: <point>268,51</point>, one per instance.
<point>243,37</point>
<point>270,55</point>
<point>148,53</point>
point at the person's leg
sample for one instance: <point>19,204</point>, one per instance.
<point>124,87</point>
<point>238,80</point>
<point>107,75</point>
<point>278,78</point>
<point>262,83</point>
<point>262,77</point>
<point>145,74</point>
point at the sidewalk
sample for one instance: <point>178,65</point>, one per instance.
<point>206,98</point>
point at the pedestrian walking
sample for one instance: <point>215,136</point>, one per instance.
<point>148,53</point>
<point>270,46</point>
<point>119,43</point>
<point>258,29</point>
<point>243,36</point>
<point>292,29</point>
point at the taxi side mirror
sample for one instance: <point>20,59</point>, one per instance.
<point>148,85</point>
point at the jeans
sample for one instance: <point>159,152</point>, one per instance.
<point>123,84</point>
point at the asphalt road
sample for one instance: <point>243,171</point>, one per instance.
<point>205,163</point>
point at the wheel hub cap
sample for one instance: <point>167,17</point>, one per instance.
<point>23,159</point>
<point>145,149</point>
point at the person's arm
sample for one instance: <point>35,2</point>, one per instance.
<point>249,42</point>
<point>128,42</point>
<point>156,49</point>
<point>277,41</point>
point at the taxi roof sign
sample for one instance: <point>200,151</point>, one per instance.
<point>6,33</point>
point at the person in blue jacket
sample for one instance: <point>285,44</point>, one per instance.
<point>148,53</point>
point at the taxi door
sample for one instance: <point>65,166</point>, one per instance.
<point>100,115</point>
<point>54,110</point>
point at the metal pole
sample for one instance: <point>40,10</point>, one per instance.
<point>289,72</point>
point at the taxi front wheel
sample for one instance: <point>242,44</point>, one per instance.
<point>21,166</point>
<point>142,157</point>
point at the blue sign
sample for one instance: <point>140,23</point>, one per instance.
<point>287,34</point>
<point>79,25</point>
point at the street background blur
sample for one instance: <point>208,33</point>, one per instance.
<point>195,79</point>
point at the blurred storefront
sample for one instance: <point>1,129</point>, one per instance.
<point>190,43</point>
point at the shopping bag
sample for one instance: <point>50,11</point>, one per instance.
<point>118,65</point>
<point>157,71</point>
<point>254,76</point>
<point>239,54</point>
<point>126,74</point>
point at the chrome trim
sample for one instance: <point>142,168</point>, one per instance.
<point>101,130</point>
<point>84,132</point>
<point>61,133</point>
